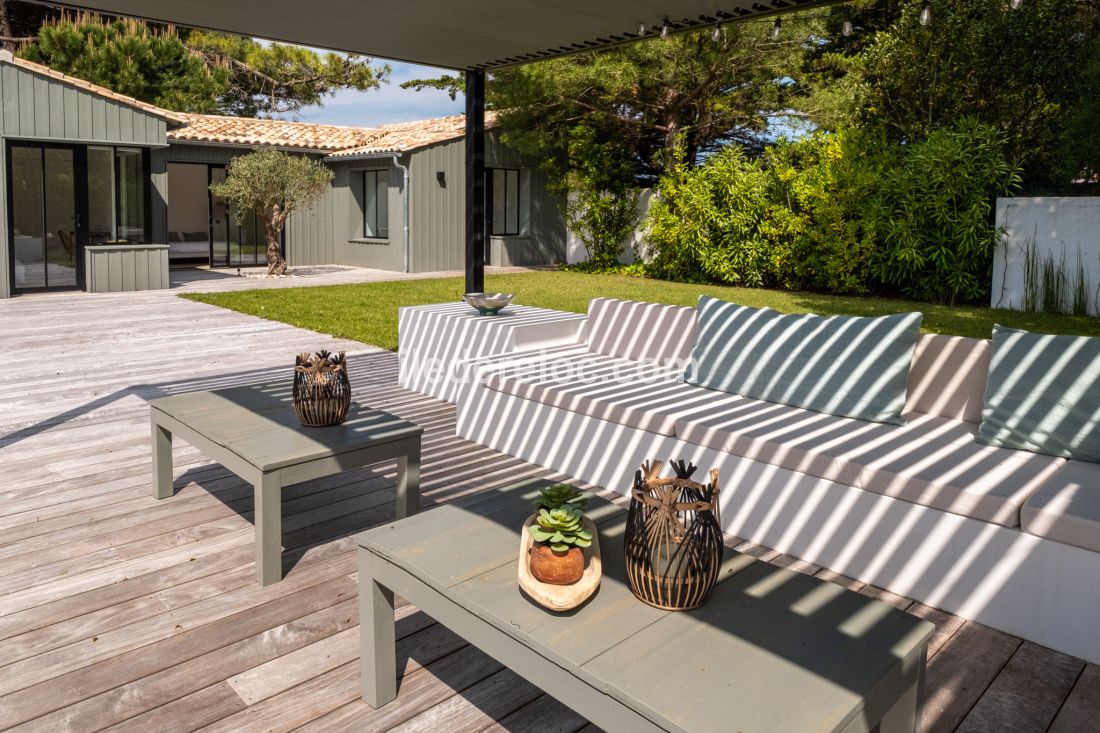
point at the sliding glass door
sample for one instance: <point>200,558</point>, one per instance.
<point>45,226</point>
<point>233,244</point>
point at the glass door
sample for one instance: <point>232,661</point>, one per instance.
<point>44,225</point>
<point>219,222</point>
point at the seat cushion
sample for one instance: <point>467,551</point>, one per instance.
<point>1043,394</point>
<point>644,396</point>
<point>839,365</point>
<point>931,461</point>
<point>1067,507</point>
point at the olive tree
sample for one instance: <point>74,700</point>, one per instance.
<point>273,184</point>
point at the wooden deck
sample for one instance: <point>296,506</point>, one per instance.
<point>121,612</point>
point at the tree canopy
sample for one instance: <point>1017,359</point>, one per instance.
<point>197,71</point>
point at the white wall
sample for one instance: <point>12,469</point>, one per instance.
<point>1057,227</point>
<point>575,251</point>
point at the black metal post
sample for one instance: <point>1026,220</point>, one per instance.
<point>475,181</point>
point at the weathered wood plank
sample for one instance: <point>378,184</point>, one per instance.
<point>1017,699</point>
<point>961,672</point>
<point>476,707</point>
<point>1081,709</point>
<point>545,715</point>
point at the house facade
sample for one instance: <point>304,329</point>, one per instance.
<point>85,166</point>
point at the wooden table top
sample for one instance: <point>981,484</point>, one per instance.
<point>258,423</point>
<point>772,649</point>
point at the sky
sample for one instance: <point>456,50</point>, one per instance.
<point>389,103</point>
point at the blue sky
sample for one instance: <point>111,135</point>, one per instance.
<point>390,103</point>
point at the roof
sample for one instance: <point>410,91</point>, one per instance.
<point>402,137</point>
<point>337,140</point>
<point>248,131</point>
<point>7,57</point>
<point>453,34</point>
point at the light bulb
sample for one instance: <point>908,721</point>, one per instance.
<point>1015,4</point>
<point>847,29</point>
<point>642,29</point>
<point>777,26</point>
<point>716,34</point>
<point>926,15</point>
<point>665,29</point>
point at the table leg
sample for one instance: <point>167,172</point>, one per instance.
<point>269,529</point>
<point>162,461</point>
<point>408,481</point>
<point>377,645</point>
<point>905,716</point>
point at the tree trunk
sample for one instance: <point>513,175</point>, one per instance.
<point>276,265</point>
<point>5,27</point>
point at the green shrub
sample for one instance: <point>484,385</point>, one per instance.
<point>934,213</point>
<point>707,223</point>
<point>817,187</point>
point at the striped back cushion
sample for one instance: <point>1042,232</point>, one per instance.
<point>641,331</point>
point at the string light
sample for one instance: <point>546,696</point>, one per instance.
<point>777,27</point>
<point>847,28</point>
<point>1015,4</point>
<point>926,14</point>
<point>665,28</point>
<point>716,34</point>
<point>642,28</point>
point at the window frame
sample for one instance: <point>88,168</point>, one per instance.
<point>510,204</point>
<point>375,231</point>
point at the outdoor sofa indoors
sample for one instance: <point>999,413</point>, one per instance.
<point>913,503</point>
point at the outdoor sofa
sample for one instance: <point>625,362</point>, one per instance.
<point>1010,538</point>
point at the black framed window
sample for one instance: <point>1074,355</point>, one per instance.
<point>376,204</point>
<point>118,194</point>
<point>504,193</point>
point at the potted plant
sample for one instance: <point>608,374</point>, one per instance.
<point>559,536</point>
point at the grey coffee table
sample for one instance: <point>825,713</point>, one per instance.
<point>773,649</point>
<point>254,432</point>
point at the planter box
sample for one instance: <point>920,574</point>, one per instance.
<point>120,268</point>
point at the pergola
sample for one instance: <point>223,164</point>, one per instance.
<point>471,36</point>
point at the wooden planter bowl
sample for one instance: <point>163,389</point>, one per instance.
<point>322,391</point>
<point>673,538</point>
<point>559,597</point>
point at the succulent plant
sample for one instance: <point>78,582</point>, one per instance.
<point>559,495</point>
<point>561,528</point>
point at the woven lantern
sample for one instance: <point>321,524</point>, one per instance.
<point>673,537</point>
<point>322,392</point>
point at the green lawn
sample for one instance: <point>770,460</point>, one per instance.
<point>368,313</point>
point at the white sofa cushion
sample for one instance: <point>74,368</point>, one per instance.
<point>930,461</point>
<point>1067,507</point>
<point>622,391</point>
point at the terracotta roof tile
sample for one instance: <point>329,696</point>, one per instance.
<point>339,141</point>
<point>404,136</point>
<point>6,56</point>
<point>280,133</point>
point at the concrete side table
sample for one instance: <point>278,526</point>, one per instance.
<point>254,432</point>
<point>434,340</point>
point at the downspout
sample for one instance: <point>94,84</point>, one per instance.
<point>404,205</point>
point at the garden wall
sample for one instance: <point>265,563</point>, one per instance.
<point>1050,254</point>
<point>576,251</point>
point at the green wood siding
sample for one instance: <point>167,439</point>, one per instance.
<point>37,107</point>
<point>126,267</point>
